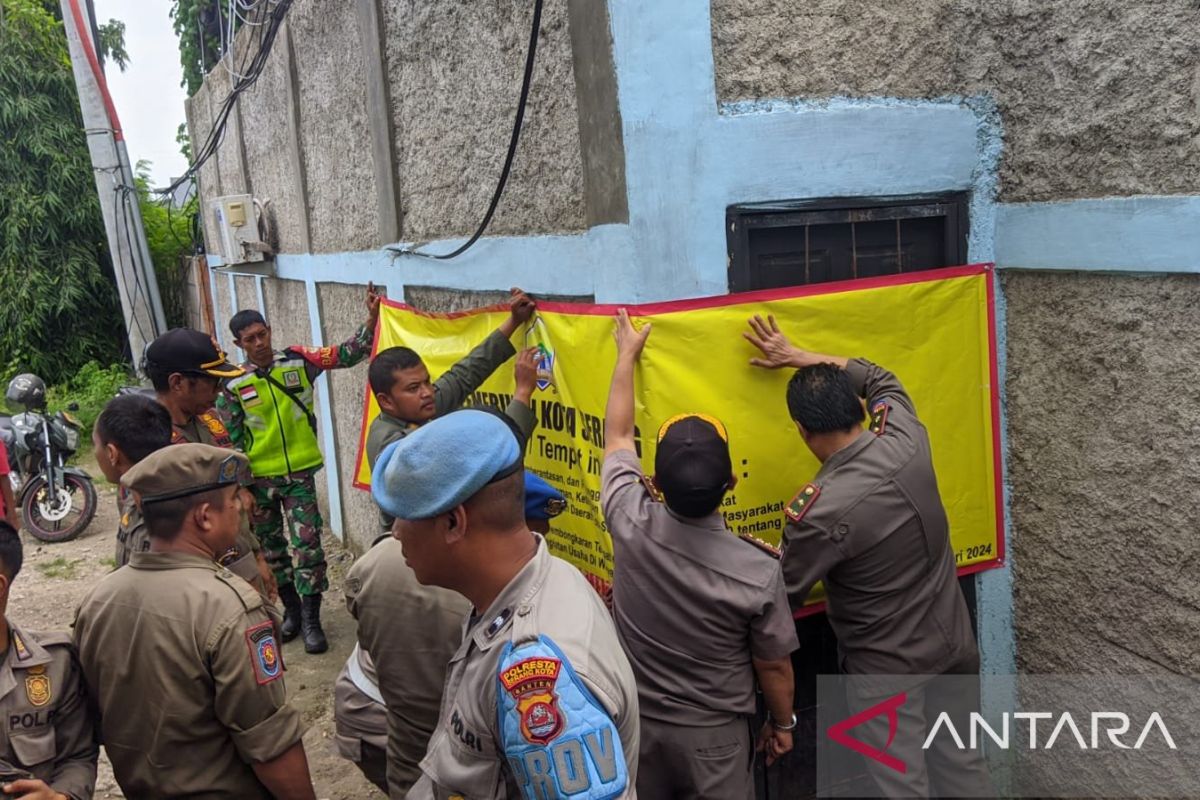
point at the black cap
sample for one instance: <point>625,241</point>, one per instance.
<point>188,351</point>
<point>692,466</point>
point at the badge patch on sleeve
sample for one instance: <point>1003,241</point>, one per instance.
<point>557,737</point>
<point>879,413</point>
<point>264,653</point>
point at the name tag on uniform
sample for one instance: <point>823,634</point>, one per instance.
<point>291,379</point>
<point>249,396</point>
<point>557,737</point>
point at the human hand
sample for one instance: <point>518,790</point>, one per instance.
<point>374,298</point>
<point>32,789</point>
<point>774,742</point>
<point>521,305</point>
<point>630,340</point>
<point>776,349</point>
<point>526,373</point>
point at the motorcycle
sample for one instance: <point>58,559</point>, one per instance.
<point>57,501</point>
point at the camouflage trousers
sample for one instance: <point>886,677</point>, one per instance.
<point>293,496</point>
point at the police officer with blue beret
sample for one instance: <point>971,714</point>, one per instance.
<point>540,700</point>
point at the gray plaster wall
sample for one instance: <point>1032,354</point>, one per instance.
<point>1096,97</point>
<point>229,155</point>
<point>222,310</point>
<point>199,119</point>
<point>247,294</point>
<point>264,111</point>
<point>342,310</point>
<point>455,74</point>
<point>335,136</point>
<point>1102,430</point>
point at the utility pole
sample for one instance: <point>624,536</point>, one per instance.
<point>136,280</point>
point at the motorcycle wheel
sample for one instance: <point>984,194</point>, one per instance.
<point>63,520</point>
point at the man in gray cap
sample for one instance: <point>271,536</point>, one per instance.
<point>540,700</point>
<point>181,656</point>
<point>702,614</point>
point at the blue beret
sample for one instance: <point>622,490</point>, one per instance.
<point>443,463</point>
<point>542,501</point>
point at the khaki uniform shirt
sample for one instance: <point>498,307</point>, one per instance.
<point>451,390</point>
<point>182,659</point>
<point>410,632</point>
<point>469,756</point>
<point>871,525</point>
<point>48,727</point>
<point>692,603</point>
<point>132,536</point>
<point>241,560</point>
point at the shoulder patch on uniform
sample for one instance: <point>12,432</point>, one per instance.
<point>37,686</point>
<point>323,357</point>
<point>766,547</point>
<point>249,596</point>
<point>802,502</point>
<point>264,652</point>
<point>651,489</point>
<point>879,413</point>
<point>553,730</point>
<point>217,428</point>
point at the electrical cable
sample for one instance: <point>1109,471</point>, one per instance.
<point>508,159</point>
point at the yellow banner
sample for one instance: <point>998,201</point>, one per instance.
<point>934,330</point>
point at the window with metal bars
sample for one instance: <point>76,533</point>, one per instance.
<point>799,242</point>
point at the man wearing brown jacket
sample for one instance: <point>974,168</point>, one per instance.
<point>872,527</point>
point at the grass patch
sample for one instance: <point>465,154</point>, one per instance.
<point>109,562</point>
<point>60,567</point>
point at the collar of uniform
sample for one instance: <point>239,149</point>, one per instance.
<point>713,522</point>
<point>846,453</point>
<point>23,652</point>
<point>515,599</point>
<point>408,425</point>
<point>172,560</point>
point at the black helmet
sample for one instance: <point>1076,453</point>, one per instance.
<point>27,391</point>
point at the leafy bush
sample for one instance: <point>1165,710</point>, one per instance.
<point>91,388</point>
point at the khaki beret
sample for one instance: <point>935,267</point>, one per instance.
<point>185,469</point>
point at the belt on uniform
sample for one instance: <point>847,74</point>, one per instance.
<point>360,679</point>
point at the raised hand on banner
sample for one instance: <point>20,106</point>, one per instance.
<point>374,298</point>
<point>521,307</point>
<point>526,373</point>
<point>630,340</point>
<point>776,349</point>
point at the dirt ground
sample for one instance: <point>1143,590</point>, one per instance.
<point>56,576</point>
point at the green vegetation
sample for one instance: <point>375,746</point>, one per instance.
<point>60,307</point>
<point>60,567</point>
<point>168,234</point>
<point>199,23</point>
<point>91,388</point>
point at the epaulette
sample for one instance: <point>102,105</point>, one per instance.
<point>653,491</point>
<point>879,413</point>
<point>766,547</point>
<point>249,596</point>
<point>802,502</point>
<point>51,638</point>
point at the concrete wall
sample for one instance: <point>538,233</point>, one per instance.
<point>455,73</point>
<point>1102,469</point>
<point>1097,98</point>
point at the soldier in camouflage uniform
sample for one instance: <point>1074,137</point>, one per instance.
<point>269,413</point>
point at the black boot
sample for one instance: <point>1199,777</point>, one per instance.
<point>291,612</point>
<point>310,625</point>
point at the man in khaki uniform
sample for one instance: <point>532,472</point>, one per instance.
<point>540,700</point>
<point>131,427</point>
<point>187,369</point>
<point>872,527</point>
<point>181,656</point>
<point>48,732</point>
<point>701,614</point>
<point>415,630</point>
<point>407,399</point>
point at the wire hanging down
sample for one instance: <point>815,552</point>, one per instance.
<point>508,159</point>
<point>244,77</point>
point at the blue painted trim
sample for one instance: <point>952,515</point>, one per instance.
<point>212,293</point>
<point>233,308</point>
<point>329,446</point>
<point>1138,234</point>
<point>258,288</point>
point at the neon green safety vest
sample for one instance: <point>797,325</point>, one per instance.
<point>279,440</point>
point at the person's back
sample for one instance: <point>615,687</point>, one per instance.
<point>410,631</point>
<point>161,621</point>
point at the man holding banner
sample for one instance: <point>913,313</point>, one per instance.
<point>872,527</point>
<point>676,560</point>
